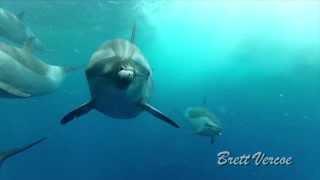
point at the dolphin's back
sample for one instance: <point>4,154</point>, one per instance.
<point>12,27</point>
<point>23,75</point>
<point>123,49</point>
<point>25,59</point>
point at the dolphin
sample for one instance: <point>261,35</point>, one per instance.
<point>120,80</point>
<point>23,75</point>
<point>4,155</point>
<point>203,122</point>
<point>14,29</point>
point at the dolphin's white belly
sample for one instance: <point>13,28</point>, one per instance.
<point>22,78</point>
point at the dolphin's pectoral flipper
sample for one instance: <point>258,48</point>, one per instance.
<point>28,146</point>
<point>15,151</point>
<point>8,154</point>
<point>80,111</point>
<point>12,90</point>
<point>155,112</point>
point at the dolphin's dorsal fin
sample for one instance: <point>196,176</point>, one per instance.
<point>20,15</point>
<point>133,33</point>
<point>28,45</point>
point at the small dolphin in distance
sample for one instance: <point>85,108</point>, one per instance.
<point>203,122</point>
<point>120,81</point>
<point>14,29</point>
<point>4,155</point>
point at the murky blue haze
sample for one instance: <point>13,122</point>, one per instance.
<point>256,63</point>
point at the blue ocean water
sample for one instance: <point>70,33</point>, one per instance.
<point>255,62</point>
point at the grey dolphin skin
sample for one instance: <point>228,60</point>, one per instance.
<point>204,122</point>
<point>14,29</point>
<point>120,82</point>
<point>12,152</point>
<point>23,75</point>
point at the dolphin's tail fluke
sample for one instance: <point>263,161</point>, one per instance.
<point>10,153</point>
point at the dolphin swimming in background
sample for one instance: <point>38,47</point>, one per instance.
<point>23,75</point>
<point>120,79</point>
<point>14,29</point>
<point>203,122</point>
<point>4,155</point>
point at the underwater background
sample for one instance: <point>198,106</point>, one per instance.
<point>255,63</point>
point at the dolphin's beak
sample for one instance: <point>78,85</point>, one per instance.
<point>126,75</point>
